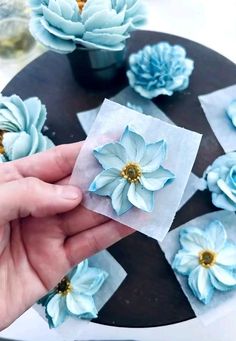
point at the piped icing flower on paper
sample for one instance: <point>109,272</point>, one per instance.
<point>231,112</point>
<point>21,123</point>
<point>208,258</point>
<point>159,69</point>
<point>132,172</point>
<point>61,25</point>
<point>74,295</point>
<point>221,181</point>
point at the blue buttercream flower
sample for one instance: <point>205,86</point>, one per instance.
<point>208,259</point>
<point>221,181</point>
<point>61,25</point>
<point>132,172</point>
<point>73,296</point>
<point>231,112</point>
<point>56,24</point>
<point>21,123</point>
<point>160,69</point>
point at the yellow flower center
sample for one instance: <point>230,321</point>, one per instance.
<point>131,172</point>
<point>2,150</point>
<point>81,4</point>
<point>64,287</point>
<point>207,258</point>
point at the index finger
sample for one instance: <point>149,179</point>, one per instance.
<point>50,166</point>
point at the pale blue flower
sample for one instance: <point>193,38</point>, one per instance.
<point>21,123</point>
<point>221,181</point>
<point>231,112</point>
<point>74,295</point>
<point>159,69</point>
<point>208,259</point>
<point>61,25</point>
<point>132,172</point>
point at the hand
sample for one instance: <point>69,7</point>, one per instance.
<point>43,231</point>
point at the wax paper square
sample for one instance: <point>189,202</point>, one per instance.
<point>214,106</point>
<point>223,302</point>
<point>129,96</point>
<point>72,327</point>
<point>182,150</point>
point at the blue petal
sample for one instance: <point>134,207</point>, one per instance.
<point>221,201</point>
<point>227,256</point>
<point>105,182</point>
<point>224,276</point>
<point>89,282</point>
<point>231,112</point>
<point>156,180</point>
<point>140,197</point>
<point>111,155</point>
<point>36,111</point>
<point>134,144</point>
<point>185,262</point>
<point>154,155</point>
<point>200,283</point>
<point>120,202</point>
<point>224,187</point>
<point>56,309</point>
<point>216,234</point>
<point>17,145</point>
<point>194,240</point>
<point>79,304</point>
<point>78,270</point>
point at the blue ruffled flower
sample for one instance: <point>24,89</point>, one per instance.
<point>208,259</point>
<point>61,25</point>
<point>221,181</point>
<point>21,123</point>
<point>73,296</point>
<point>160,69</point>
<point>231,112</point>
<point>132,172</point>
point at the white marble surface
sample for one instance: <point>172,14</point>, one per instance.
<point>211,23</point>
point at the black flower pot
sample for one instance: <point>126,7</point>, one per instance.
<point>95,68</point>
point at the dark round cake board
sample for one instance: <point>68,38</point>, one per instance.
<point>150,296</point>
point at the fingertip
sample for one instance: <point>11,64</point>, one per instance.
<point>72,193</point>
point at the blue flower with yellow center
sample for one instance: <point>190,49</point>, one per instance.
<point>208,258</point>
<point>21,123</point>
<point>132,172</point>
<point>73,296</point>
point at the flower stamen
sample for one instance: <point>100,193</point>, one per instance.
<point>207,258</point>
<point>2,150</point>
<point>81,4</point>
<point>131,172</point>
<point>64,287</point>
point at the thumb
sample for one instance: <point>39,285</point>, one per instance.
<point>30,196</point>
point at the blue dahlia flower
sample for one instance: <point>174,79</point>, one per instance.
<point>62,25</point>
<point>160,69</point>
<point>221,181</point>
<point>21,123</point>
<point>132,172</point>
<point>208,259</point>
<point>73,296</point>
<point>231,112</point>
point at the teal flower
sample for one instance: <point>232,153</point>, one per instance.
<point>21,123</point>
<point>132,172</point>
<point>208,259</point>
<point>231,112</point>
<point>221,181</point>
<point>73,296</point>
<point>160,69</point>
<point>62,25</point>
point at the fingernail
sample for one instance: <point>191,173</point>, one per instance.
<point>71,193</point>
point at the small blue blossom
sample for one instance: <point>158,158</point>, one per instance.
<point>221,181</point>
<point>160,69</point>
<point>21,123</point>
<point>73,296</point>
<point>132,172</point>
<point>231,112</point>
<point>208,259</point>
<point>62,25</point>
